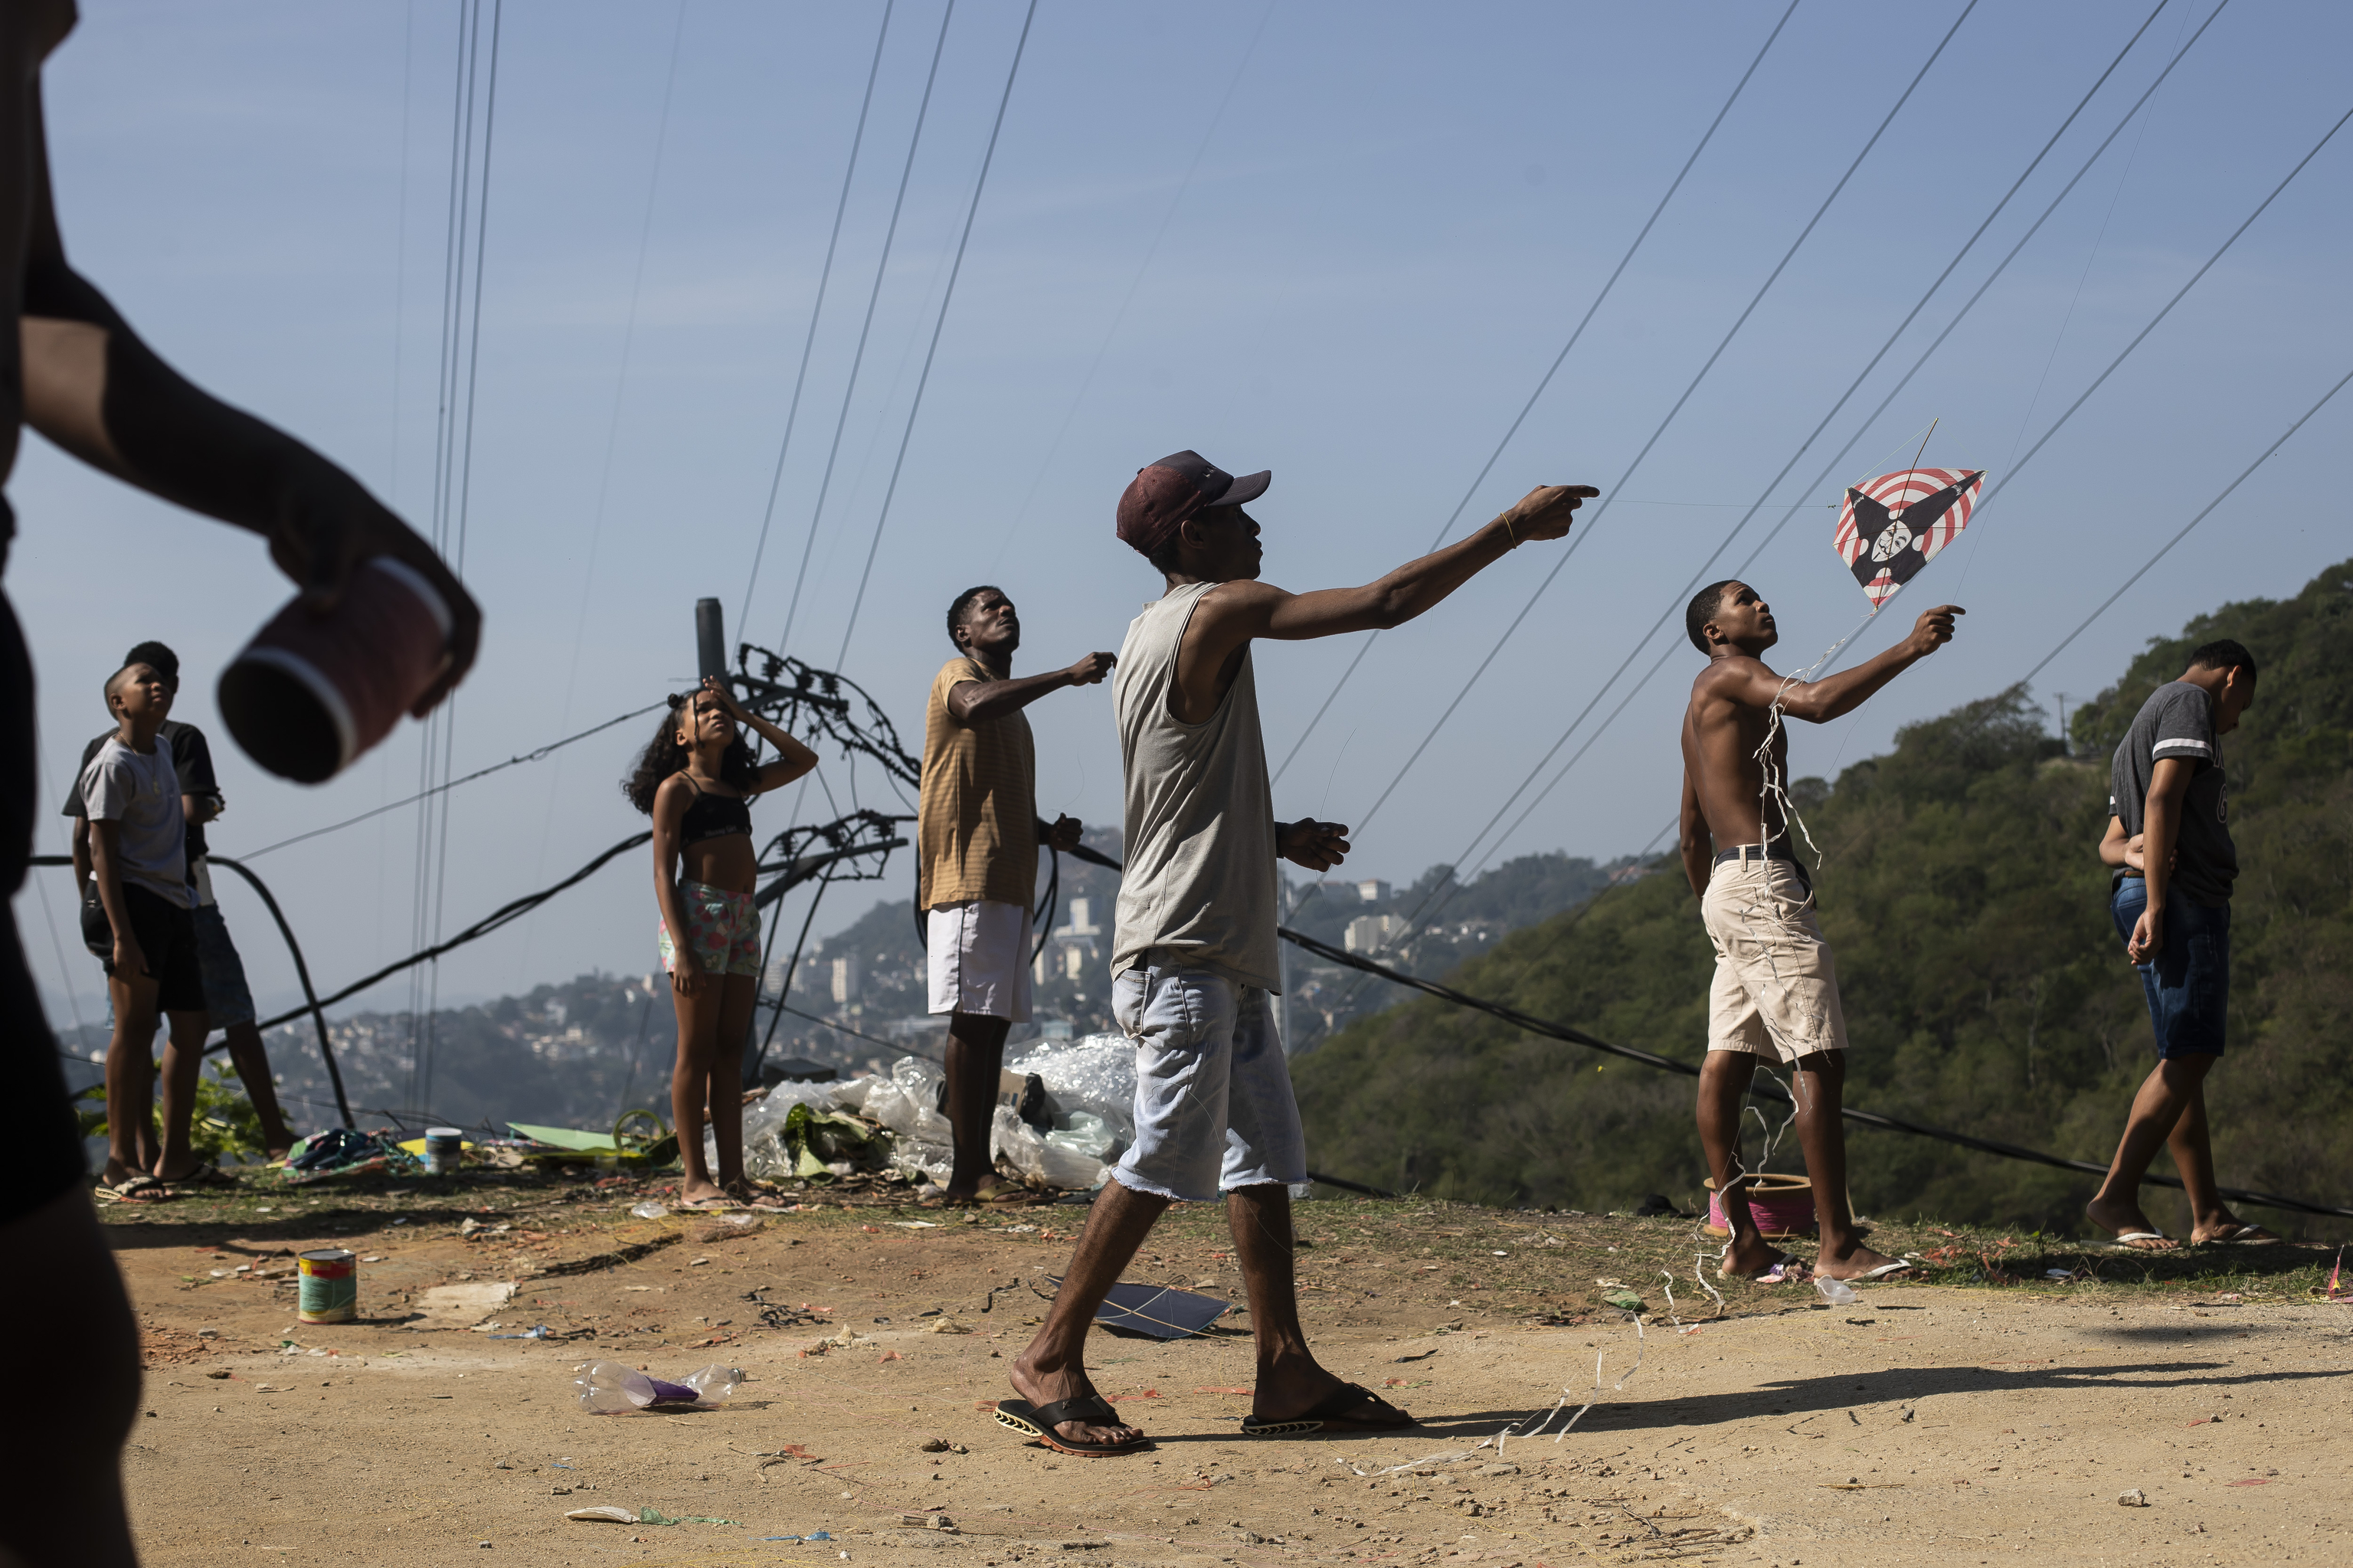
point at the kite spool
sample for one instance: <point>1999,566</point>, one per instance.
<point>1782,1206</point>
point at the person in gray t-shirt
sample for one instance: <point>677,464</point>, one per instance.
<point>2168,843</point>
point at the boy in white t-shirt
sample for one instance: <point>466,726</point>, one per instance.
<point>139,869</point>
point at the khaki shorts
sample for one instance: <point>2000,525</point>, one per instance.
<point>1776,990</point>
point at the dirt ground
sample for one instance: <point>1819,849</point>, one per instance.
<point>1988,1414</point>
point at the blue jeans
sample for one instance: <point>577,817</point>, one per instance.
<point>1213,1104</point>
<point>2189,984</point>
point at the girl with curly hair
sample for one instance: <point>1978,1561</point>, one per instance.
<point>696,779</point>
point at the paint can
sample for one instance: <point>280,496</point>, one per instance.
<point>330,1285</point>
<point>1782,1206</point>
<point>312,692</point>
<point>445,1151</point>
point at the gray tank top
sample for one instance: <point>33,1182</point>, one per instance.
<point>1200,878</point>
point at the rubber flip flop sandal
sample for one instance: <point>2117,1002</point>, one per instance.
<point>1884,1271</point>
<point>2242,1236</point>
<point>1038,1421</point>
<point>135,1190</point>
<point>1330,1416</point>
<point>2130,1242</point>
<point>714,1205</point>
<point>207,1174</point>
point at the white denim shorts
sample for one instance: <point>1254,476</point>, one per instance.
<point>1214,1110</point>
<point>979,958</point>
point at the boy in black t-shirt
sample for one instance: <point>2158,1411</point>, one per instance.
<point>228,1003</point>
<point>2168,843</point>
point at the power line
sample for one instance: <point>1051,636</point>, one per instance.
<point>1563,559</point>
<point>1700,575</point>
<point>1558,360</point>
<point>817,309</point>
<point>1086,383</point>
<point>2166,547</point>
<point>1445,893</point>
<point>1769,1090</point>
<point>938,325</point>
<point>866,326</point>
<point>552,746</point>
<point>2096,383</point>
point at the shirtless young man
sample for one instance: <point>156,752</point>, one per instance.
<point>1776,990</point>
<point>1194,956</point>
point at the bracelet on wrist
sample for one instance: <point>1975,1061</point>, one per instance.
<point>1505,519</point>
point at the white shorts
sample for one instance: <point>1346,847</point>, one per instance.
<point>979,956</point>
<point>1776,990</point>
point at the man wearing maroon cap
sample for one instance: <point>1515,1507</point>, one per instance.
<point>1193,951</point>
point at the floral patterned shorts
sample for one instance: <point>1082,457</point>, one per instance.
<point>724,926</point>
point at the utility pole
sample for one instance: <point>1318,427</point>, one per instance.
<point>2065,742</point>
<point>710,639</point>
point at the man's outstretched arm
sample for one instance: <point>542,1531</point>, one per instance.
<point>1237,611</point>
<point>976,702</point>
<point>1749,681</point>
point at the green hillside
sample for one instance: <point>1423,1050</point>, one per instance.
<point>1985,989</point>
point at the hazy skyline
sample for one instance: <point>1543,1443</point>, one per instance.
<point>1344,243</point>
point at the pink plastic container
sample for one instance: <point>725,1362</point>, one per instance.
<point>1782,1206</point>
<point>311,692</point>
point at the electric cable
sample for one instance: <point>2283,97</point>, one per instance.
<point>461,508</point>
<point>543,751</point>
<point>866,326</point>
<point>1769,1090</point>
<point>1558,360</point>
<point>1086,383</point>
<point>939,324</point>
<point>1562,560</point>
<point>1700,575</point>
<point>2164,549</point>
<point>809,343</point>
<point>1860,432</point>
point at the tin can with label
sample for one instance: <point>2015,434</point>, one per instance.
<point>330,1285</point>
<point>445,1151</point>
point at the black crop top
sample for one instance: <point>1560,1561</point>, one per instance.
<point>713,816</point>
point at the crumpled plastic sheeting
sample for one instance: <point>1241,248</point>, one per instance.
<point>1037,1157</point>
<point>1096,1074</point>
<point>766,1157</point>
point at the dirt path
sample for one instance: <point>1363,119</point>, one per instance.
<point>1931,1423</point>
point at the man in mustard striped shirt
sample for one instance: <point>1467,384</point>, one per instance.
<point>977,857</point>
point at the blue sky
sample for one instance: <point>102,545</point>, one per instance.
<point>1342,242</point>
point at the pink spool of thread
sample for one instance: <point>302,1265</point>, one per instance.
<point>1782,1206</point>
<point>312,693</point>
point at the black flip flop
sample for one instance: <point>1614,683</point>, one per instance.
<point>1329,1416</point>
<point>1038,1421</point>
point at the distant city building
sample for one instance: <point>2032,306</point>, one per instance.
<point>1630,872</point>
<point>847,976</point>
<point>1370,933</point>
<point>1372,891</point>
<point>1070,948</point>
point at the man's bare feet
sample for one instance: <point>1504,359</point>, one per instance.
<point>1043,1386</point>
<point>1750,1257</point>
<point>2126,1219</point>
<point>1855,1262</point>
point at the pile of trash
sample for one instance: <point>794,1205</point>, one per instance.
<point>1071,1116</point>
<point>339,1151</point>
